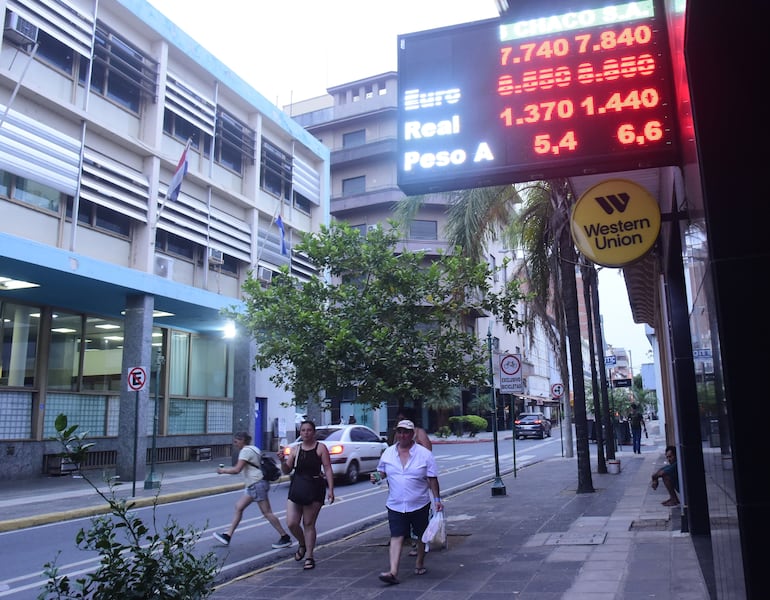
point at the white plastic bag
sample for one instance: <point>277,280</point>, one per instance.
<point>435,532</point>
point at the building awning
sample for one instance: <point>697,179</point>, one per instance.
<point>539,400</point>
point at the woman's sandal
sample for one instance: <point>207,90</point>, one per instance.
<point>309,564</point>
<point>388,578</point>
<point>300,553</point>
<point>420,570</point>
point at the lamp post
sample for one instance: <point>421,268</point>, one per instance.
<point>152,483</point>
<point>498,487</point>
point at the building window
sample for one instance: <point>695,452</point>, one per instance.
<point>121,72</point>
<point>276,172</point>
<point>183,130</point>
<point>354,185</point>
<point>234,142</point>
<point>30,192</point>
<point>175,245</point>
<point>99,217</point>
<point>423,230</point>
<point>55,53</point>
<point>354,138</point>
<point>301,203</point>
<point>19,329</point>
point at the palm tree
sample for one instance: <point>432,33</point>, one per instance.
<point>476,216</point>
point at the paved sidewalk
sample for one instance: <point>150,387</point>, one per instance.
<point>540,541</point>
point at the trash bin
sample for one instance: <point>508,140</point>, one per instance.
<point>714,440</point>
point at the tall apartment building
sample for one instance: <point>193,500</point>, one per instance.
<point>357,121</point>
<point>110,292</point>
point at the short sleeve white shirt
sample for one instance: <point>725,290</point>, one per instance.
<point>252,456</point>
<point>408,488</point>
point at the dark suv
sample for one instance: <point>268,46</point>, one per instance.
<point>532,425</point>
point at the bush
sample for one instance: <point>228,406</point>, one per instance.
<point>470,423</point>
<point>444,432</point>
<point>137,561</point>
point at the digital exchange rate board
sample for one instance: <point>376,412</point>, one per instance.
<point>534,96</point>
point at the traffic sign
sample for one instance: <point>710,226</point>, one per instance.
<point>621,383</point>
<point>557,390</point>
<point>510,364</point>
<point>137,378</point>
<point>610,361</point>
<point>510,374</point>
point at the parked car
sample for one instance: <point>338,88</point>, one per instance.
<point>354,449</point>
<point>532,425</point>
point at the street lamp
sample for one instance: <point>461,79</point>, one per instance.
<point>498,487</point>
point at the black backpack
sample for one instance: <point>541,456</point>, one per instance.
<point>270,470</point>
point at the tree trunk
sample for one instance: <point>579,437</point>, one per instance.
<point>589,283</point>
<point>568,258</point>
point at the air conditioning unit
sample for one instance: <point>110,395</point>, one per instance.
<point>19,31</point>
<point>216,257</point>
<point>164,267</point>
<point>264,275</point>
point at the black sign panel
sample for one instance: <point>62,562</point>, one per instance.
<point>560,92</point>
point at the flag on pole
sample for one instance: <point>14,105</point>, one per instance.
<point>181,170</point>
<point>279,222</point>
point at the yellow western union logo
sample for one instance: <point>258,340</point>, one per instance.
<point>615,222</point>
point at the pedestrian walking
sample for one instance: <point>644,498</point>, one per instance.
<point>412,477</point>
<point>636,420</point>
<point>308,488</point>
<point>257,489</point>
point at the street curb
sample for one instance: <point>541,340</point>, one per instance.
<point>91,511</point>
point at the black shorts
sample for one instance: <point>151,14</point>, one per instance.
<point>400,522</point>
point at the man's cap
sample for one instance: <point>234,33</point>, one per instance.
<point>405,424</point>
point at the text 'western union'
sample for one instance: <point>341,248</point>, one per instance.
<point>616,235</point>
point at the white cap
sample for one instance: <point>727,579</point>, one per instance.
<point>405,424</point>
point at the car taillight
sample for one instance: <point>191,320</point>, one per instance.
<point>517,422</point>
<point>336,449</point>
<point>538,422</point>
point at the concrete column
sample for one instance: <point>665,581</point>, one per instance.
<point>244,386</point>
<point>134,406</point>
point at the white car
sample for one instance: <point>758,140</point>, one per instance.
<point>354,449</point>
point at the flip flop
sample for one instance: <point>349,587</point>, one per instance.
<point>309,564</point>
<point>300,553</point>
<point>420,570</point>
<point>388,578</point>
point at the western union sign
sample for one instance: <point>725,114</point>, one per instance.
<point>615,222</point>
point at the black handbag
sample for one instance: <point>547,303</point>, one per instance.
<point>305,490</point>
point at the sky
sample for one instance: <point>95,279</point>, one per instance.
<point>294,50</point>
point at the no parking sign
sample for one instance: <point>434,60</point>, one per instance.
<point>136,379</point>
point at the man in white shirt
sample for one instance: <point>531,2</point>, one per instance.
<point>412,477</point>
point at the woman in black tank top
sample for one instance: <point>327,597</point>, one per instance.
<point>307,459</point>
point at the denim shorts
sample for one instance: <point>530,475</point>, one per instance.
<point>400,523</point>
<point>258,491</point>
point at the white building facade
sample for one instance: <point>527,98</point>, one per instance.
<point>110,293</point>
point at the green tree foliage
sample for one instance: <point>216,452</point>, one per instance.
<point>387,322</point>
